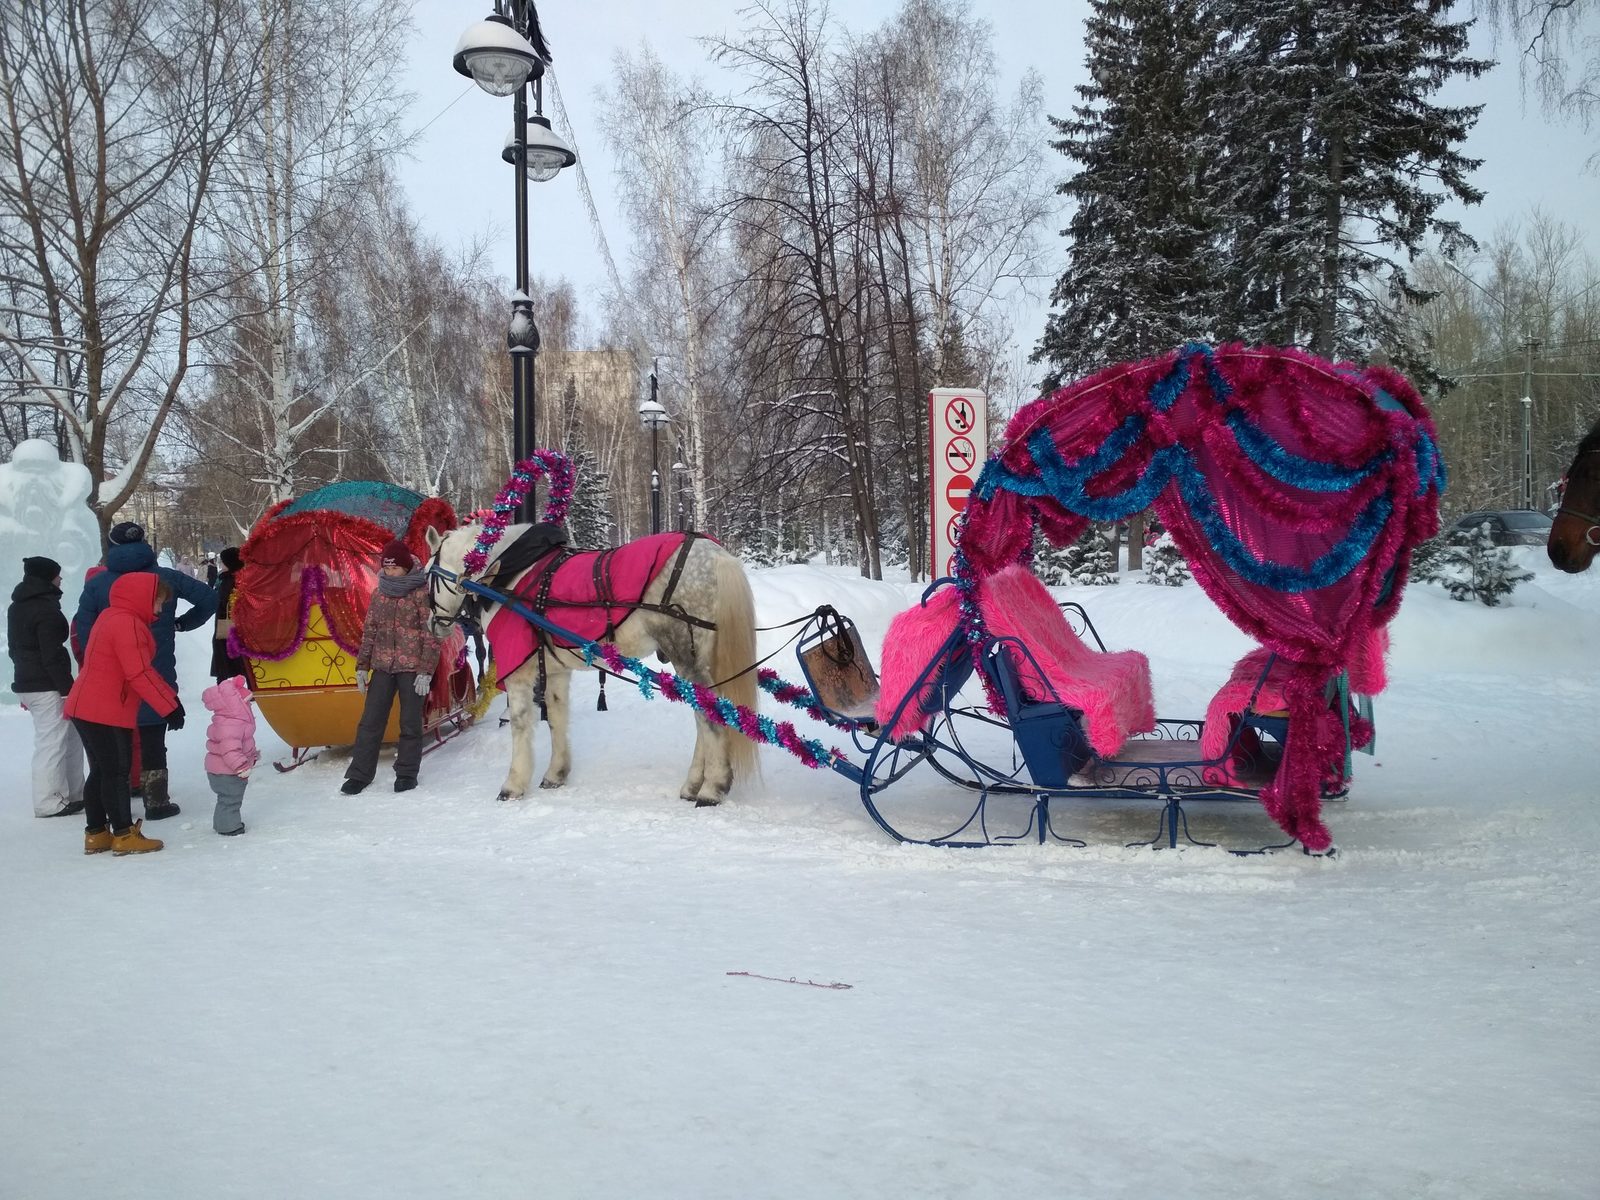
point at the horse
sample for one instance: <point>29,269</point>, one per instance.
<point>1575,535</point>
<point>696,613</point>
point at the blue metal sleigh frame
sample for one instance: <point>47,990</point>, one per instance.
<point>1052,760</point>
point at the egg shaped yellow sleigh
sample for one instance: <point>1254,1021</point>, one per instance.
<point>310,569</point>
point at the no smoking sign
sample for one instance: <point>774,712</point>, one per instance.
<point>959,442</point>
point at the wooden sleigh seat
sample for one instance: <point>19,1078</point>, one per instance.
<point>840,674</point>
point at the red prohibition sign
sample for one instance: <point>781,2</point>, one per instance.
<point>950,529</point>
<point>958,415</point>
<point>961,454</point>
<point>950,565</point>
<point>957,491</point>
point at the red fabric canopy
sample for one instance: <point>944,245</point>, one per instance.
<point>320,557</point>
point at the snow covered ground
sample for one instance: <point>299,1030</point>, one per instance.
<point>435,995</point>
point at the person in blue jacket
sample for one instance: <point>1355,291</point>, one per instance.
<point>130,552</point>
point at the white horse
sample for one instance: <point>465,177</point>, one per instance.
<point>716,644</point>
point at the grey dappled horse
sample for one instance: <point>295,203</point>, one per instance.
<point>711,587</point>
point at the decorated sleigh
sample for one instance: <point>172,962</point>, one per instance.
<point>301,601</point>
<point>1296,489</point>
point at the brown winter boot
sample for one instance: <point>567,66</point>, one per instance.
<point>158,803</point>
<point>97,841</point>
<point>133,841</point>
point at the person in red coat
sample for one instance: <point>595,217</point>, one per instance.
<point>118,674</point>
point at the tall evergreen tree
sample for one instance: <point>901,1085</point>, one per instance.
<point>1138,279</point>
<point>589,521</point>
<point>1334,162</point>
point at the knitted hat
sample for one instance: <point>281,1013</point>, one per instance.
<point>232,559</point>
<point>399,554</point>
<point>41,568</point>
<point>126,533</point>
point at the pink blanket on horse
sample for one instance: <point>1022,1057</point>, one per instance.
<point>1112,690</point>
<point>591,593</point>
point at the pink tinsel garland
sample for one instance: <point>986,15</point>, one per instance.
<point>563,478</point>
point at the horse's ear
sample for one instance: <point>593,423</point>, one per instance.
<point>434,539</point>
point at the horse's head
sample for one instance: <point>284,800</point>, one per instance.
<point>1576,533</point>
<point>445,593</point>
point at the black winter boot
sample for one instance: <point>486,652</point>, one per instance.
<point>158,803</point>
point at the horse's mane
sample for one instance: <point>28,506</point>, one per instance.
<point>1591,440</point>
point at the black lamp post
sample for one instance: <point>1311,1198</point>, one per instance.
<point>652,415</point>
<point>680,481</point>
<point>504,53</point>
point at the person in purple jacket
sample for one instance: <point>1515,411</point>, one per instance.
<point>231,751</point>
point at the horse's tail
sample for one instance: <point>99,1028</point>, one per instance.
<point>734,654</point>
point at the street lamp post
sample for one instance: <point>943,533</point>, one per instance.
<point>680,484</point>
<point>1529,345</point>
<point>504,53</point>
<point>653,415</point>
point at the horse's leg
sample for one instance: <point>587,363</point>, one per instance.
<point>710,772</point>
<point>524,718</point>
<point>697,765</point>
<point>557,693</point>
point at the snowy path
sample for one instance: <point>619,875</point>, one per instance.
<point>433,995</point>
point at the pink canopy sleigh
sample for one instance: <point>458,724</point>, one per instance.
<point>1295,488</point>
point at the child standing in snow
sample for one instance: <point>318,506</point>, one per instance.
<point>230,750</point>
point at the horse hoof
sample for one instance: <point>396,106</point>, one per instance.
<point>702,802</point>
<point>509,796</point>
<point>547,784</point>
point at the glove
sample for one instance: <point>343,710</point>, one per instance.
<point>361,681</point>
<point>423,683</point>
<point>175,718</point>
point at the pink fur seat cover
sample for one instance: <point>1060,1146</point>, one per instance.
<point>914,638</point>
<point>1368,676</point>
<point>1233,698</point>
<point>1111,689</point>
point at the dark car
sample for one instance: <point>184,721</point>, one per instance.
<point>1508,527</point>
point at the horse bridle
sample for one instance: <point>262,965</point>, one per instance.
<point>442,578</point>
<point>1591,536</point>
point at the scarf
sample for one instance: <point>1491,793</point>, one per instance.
<point>401,585</point>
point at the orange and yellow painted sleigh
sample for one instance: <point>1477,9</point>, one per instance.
<point>301,600</point>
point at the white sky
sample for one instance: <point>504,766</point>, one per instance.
<point>462,192</point>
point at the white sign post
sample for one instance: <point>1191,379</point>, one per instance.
<point>958,426</point>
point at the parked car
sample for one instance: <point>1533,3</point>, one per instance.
<point>1508,527</point>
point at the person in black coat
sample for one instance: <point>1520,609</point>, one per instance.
<point>36,636</point>
<point>223,664</point>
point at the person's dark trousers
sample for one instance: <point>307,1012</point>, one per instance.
<point>153,747</point>
<point>105,791</point>
<point>382,687</point>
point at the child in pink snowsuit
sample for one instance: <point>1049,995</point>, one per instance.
<point>230,750</point>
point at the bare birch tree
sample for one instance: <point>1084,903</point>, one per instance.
<point>293,194</point>
<point>116,115</point>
